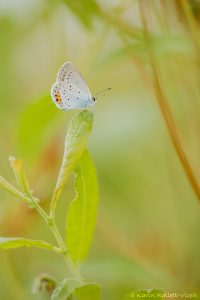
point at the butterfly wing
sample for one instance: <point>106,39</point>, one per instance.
<point>74,81</point>
<point>56,95</point>
<point>72,99</point>
<point>70,90</point>
<point>66,99</point>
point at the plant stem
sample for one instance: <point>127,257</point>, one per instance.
<point>193,26</point>
<point>52,225</point>
<point>11,189</point>
<point>166,112</point>
<point>174,136</point>
<point>63,247</point>
<point>33,202</point>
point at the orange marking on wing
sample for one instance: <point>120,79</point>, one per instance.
<point>58,97</point>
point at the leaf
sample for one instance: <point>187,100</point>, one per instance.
<point>65,289</point>
<point>11,243</point>
<point>75,144</point>
<point>77,289</point>
<point>33,125</point>
<point>145,294</point>
<point>88,291</point>
<point>81,217</point>
<point>18,170</point>
<point>85,10</point>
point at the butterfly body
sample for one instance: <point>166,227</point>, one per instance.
<point>70,90</point>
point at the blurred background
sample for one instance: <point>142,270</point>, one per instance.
<point>147,233</point>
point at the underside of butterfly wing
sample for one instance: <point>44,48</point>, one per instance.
<point>71,91</point>
<point>73,100</point>
<point>69,75</point>
<point>56,95</point>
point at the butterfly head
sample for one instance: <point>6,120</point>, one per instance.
<point>94,99</point>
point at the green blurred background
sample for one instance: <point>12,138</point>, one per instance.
<point>148,225</point>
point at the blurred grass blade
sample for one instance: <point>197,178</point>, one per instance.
<point>75,144</point>
<point>192,24</point>
<point>166,110</point>
<point>11,243</point>
<point>145,294</point>
<point>81,217</point>
<point>77,289</point>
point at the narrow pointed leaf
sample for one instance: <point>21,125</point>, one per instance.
<point>81,217</point>
<point>11,243</point>
<point>18,170</point>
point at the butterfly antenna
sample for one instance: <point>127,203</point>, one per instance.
<point>101,92</point>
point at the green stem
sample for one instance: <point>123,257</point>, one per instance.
<point>34,203</point>
<point>12,190</point>
<point>64,249</point>
<point>165,109</point>
<point>52,225</point>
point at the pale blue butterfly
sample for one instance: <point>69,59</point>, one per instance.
<point>70,90</point>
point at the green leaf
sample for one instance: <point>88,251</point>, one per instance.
<point>85,10</point>
<point>33,125</point>
<point>81,217</point>
<point>18,170</point>
<point>11,243</point>
<point>88,291</point>
<point>75,144</point>
<point>65,289</point>
<point>77,289</point>
<point>145,294</point>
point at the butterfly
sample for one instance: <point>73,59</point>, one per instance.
<point>70,90</point>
